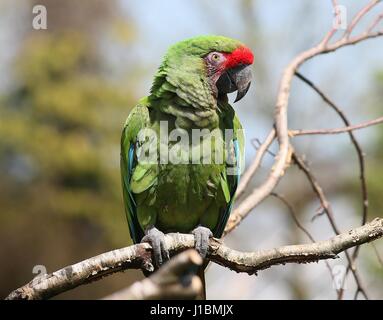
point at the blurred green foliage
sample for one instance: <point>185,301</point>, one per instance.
<point>60,189</point>
<point>60,128</point>
<point>60,134</point>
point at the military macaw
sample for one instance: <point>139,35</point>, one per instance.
<point>189,94</point>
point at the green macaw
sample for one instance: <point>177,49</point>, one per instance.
<point>186,187</point>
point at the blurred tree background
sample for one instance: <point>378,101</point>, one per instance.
<point>375,168</point>
<point>65,93</point>
<point>60,189</point>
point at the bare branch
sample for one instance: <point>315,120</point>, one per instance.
<point>359,16</point>
<point>344,42</point>
<point>282,160</point>
<point>380,259</point>
<point>330,215</point>
<point>338,20</point>
<point>293,214</point>
<point>249,173</point>
<point>375,23</point>
<point>46,286</point>
<point>257,144</point>
<point>300,226</point>
<point>362,125</point>
<point>176,279</point>
<point>359,153</point>
<point>354,141</point>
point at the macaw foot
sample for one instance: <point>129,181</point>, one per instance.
<point>202,237</point>
<point>156,239</point>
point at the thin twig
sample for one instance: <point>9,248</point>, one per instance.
<point>375,23</point>
<point>359,16</point>
<point>380,259</point>
<point>301,227</point>
<point>329,213</point>
<point>354,141</point>
<point>257,144</point>
<point>360,155</point>
<point>293,214</point>
<point>338,22</point>
<point>249,173</point>
<point>351,41</point>
<point>294,133</point>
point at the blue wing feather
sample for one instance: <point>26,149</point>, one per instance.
<point>130,204</point>
<point>233,187</point>
<point>130,170</point>
<point>136,120</point>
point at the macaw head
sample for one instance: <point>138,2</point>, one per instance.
<point>206,66</point>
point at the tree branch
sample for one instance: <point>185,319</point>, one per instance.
<point>300,226</point>
<point>359,16</point>
<point>330,215</point>
<point>176,279</point>
<point>338,20</point>
<point>138,256</point>
<point>360,155</point>
<point>283,157</point>
<point>374,23</point>
<point>354,141</point>
<point>362,125</point>
<point>249,173</point>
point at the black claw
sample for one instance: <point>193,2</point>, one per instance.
<point>202,237</point>
<point>156,239</point>
<point>164,251</point>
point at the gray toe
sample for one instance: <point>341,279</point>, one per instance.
<point>156,239</point>
<point>202,238</point>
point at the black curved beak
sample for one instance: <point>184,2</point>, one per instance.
<point>235,79</point>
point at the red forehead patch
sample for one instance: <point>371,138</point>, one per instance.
<point>240,55</point>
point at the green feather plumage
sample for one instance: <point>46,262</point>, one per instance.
<point>179,197</point>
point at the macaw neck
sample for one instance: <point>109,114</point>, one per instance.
<point>185,115</point>
<point>189,98</point>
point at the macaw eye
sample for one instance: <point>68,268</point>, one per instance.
<point>216,57</point>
